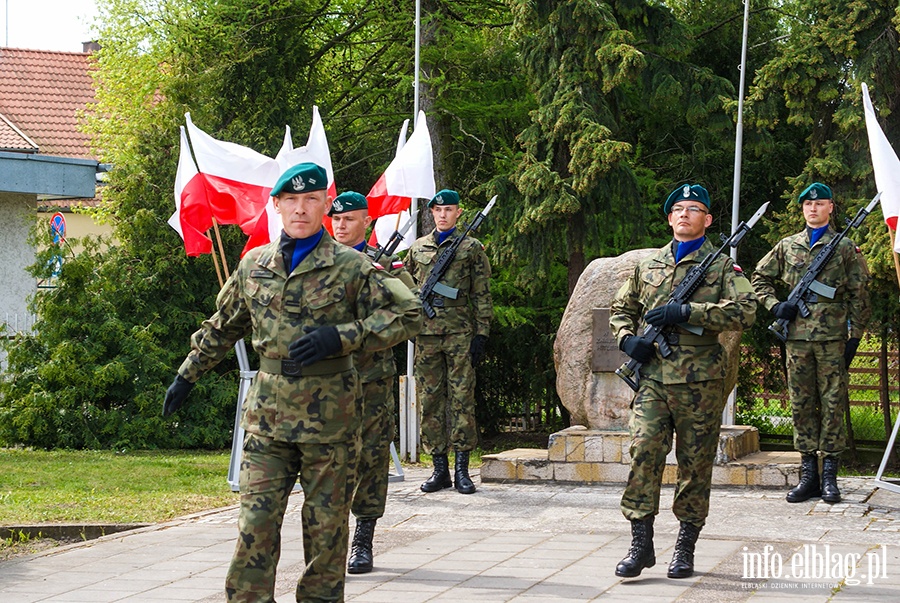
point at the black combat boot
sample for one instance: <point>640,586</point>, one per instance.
<point>361,550</point>
<point>830,492</point>
<point>440,479</point>
<point>809,479</point>
<point>682,565</point>
<point>641,553</point>
<point>461,478</point>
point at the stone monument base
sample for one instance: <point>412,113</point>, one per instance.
<point>581,455</point>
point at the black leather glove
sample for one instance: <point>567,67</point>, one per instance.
<point>785,310</point>
<point>669,314</point>
<point>176,395</point>
<point>476,348</point>
<point>850,350</point>
<point>318,343</point>
<point>638,348</point>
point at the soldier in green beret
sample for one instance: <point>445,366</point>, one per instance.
<point>349,219</point>
<point>820,346</point>
<point>308,303</point>
<point>451,344</point>
<point>684,392</point>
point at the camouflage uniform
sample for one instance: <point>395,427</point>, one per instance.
<point>817,376</point>
<point>304,427</point>
<point>376,372</point>
<point>683,393</point>
<point>445,377</point>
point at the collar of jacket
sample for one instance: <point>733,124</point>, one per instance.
<point>321,256</point>
<point>801,239</point>
<point>665,256</point>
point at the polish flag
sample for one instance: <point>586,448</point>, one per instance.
<point>192,216</point>
<point>410,175</point>
<point>315,151</point>
<point>885,165</point>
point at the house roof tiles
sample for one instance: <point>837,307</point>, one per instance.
<point>42,92</point>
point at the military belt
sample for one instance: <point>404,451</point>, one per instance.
<point>690,339</point>
<point>446,302</point>
<point>291,368</point>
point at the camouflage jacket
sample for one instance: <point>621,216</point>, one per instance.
<point>470,272</point>
<point>846,271</point>
<point>333,285</point>
<point>380,364</point>
<point>723,302</point>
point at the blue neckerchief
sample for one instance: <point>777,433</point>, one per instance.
<point>683,248</point>
<point>815,234</point>
<point>302,247</point>
<point>361,246</point>
<point>442,236</point>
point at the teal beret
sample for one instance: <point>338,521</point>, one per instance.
<point>814,191</point>
<point>301,178</point>
<point>347,201</point>
<point>445,197</point>
<point>687,192</point>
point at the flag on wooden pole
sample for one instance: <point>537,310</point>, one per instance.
<point>885,165</point>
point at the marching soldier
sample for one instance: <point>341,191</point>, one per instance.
<point>349,219</point>
<point>451,344</point>
<point>308,303</point>
<point>683,393</point>
<point>820,346</point>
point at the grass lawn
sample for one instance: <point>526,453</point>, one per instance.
<point>102,487</point>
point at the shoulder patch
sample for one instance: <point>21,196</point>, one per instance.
<point>858,250</point>
<point>378,266</point>
<point>261,274</point>
<point>738,270</point>
<point>396,265</point>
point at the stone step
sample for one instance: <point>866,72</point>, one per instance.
<point>580,455</point>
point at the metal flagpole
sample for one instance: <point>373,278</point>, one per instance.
<point>412,413</point>
<point>728,412</point>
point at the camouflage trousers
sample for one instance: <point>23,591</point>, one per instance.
<point>693,412</point>
<point>445,387</point>
<point>375,456</point>
<point>817,380</point>
<point>269,470</point>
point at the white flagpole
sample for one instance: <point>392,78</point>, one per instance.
<point>728,412</point>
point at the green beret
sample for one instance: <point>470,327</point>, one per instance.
<point>687,192</point>
<point>347,201</point>
<point>301,178</point>
<point>445,197</point>
<point>814,191</point>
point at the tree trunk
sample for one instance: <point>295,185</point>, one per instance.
<point>575,243</point>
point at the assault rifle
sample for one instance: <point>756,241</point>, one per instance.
<point>432,283</point>
<point>630,372</point>
<point>808,290</point>
<point>393,242</point>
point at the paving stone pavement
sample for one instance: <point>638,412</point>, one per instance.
<point>512,543</point>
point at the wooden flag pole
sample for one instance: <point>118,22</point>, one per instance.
<point>221,248</point>
<point>894,253</point>
<point>215,259</point>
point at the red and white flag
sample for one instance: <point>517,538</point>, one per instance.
<point>410,175</point>
<point>886,166</point>
<point>192,216</point>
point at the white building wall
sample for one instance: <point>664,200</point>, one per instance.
<point>17,213</point>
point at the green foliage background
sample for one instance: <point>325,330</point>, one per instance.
<point>581,115</point>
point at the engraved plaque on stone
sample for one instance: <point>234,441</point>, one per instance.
<point>606,356</point>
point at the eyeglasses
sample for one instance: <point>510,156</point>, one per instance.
<point>692,210</point>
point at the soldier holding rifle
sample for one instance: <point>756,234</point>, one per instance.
<point>349,215</point>
<point>682,384</point>
<point>821,325</point>
<point>458,313</point>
